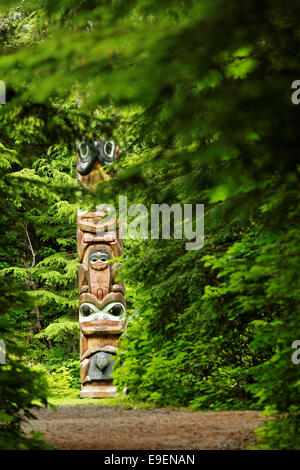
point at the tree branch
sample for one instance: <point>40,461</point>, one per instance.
<point>30,246</point>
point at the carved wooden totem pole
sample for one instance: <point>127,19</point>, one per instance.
<point>102,304</point>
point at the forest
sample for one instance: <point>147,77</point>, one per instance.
<point>198,95</point>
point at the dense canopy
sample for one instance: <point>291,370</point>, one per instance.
<point>198,96</point>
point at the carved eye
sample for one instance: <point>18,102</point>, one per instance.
<point>83,149</point>
<point>116,310</point>
<point>109,149</point>
<point>103,257</point>
<point>85,310</point>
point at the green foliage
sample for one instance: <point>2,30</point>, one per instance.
<point>19,386</point>
<point>198,95</point>
<point>60,381</point>
<point>61,330</point>
<point>281,432</point>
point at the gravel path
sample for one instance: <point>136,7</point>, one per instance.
<point>114,428</point>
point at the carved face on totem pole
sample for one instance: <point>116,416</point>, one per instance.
<point>102,304</point>
<point>92,156</point>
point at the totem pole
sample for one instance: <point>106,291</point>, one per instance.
<point>102,304</point>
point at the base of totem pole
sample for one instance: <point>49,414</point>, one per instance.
<point>98,389</point>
